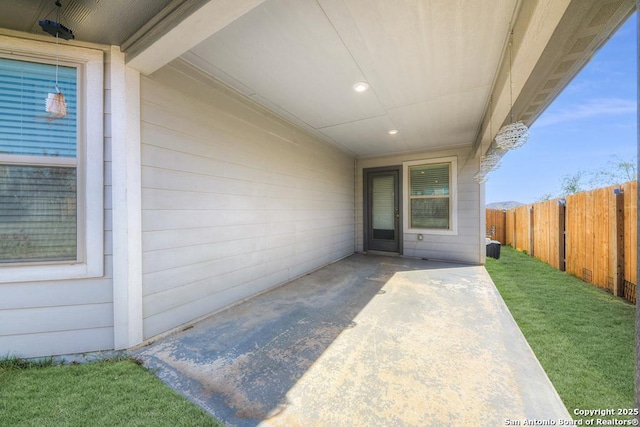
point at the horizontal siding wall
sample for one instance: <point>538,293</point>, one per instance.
<point>65,316</point>
<point>235,201</point>
<point>52,318</point>
<point>463,247</point>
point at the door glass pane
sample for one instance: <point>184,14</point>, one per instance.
<point>383,209</point>
<point>37,213</point>
<point>430,213</point>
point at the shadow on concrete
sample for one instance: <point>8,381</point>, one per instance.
<point>369,340</point>
<point>240,363</point>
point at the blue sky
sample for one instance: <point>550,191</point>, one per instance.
<point>593,119</point>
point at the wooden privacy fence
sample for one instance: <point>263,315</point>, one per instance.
<point>496,225</point>
<point>591,235</point>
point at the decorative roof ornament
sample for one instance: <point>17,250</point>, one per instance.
<point>513,135</point>
<point>481,177</point>
<point>492,159</point>
<point>490,162</point>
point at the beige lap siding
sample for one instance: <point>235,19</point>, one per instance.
<point>235,201</point>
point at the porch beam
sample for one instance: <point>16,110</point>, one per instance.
<point>547,57</point>
<point>179,27</point>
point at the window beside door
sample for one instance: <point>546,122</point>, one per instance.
<point>431,190</point>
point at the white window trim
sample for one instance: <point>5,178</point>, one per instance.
<point>453,194</point>
<point>90,163</point>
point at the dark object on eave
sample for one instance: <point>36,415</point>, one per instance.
<point>54,28</point>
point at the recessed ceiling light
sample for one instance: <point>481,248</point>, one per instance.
<point>361,86</point>
<point>393,131</point>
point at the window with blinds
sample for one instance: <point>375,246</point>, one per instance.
<point>429,196</point>
<point>38,169</point>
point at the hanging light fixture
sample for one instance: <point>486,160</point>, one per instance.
<point>513,135</point>
<point>55,103</point>
<point>480,177</point>
<point>492,159</point>
<point>490,162</point>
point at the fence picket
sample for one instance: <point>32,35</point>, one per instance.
<point>630,190</point>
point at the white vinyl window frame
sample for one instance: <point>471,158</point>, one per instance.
<point>89,161</point>
<point>452,161</point>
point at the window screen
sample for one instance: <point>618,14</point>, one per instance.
<point>38,197</point>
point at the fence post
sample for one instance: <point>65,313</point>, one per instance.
<point>562,235</point>
<point>504,226</point>
<point>531,237</point>
<point>515,228</point>
<point>618,283</point>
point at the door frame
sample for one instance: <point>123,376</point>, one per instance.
<point>366,212</point>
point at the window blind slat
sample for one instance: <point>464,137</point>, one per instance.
<point>383,213</point>
<point>25,126</point>
<point>430,213</point>
<point>38,213</point>
<point>429,180</point>
<point>430,201</point>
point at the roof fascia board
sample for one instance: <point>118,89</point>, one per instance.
<point>179,27</point>
<point>563,59</point>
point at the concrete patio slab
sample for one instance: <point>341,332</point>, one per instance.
<point>367,341</point>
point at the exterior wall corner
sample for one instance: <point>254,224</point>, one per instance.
<point>126,194</point>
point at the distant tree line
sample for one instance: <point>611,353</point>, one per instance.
<point>615,171</point>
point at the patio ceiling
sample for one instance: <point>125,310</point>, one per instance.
<point>432,65</point>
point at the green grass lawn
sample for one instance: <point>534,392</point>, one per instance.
<point>106,393</point>
<point>583,337</point>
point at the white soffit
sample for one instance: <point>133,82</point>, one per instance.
<point>441,122</point>
<point>289,53</point>
<point>368,135</point>
<point>430,65</point>
<point>206,21</point>
<point>414,51</point>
